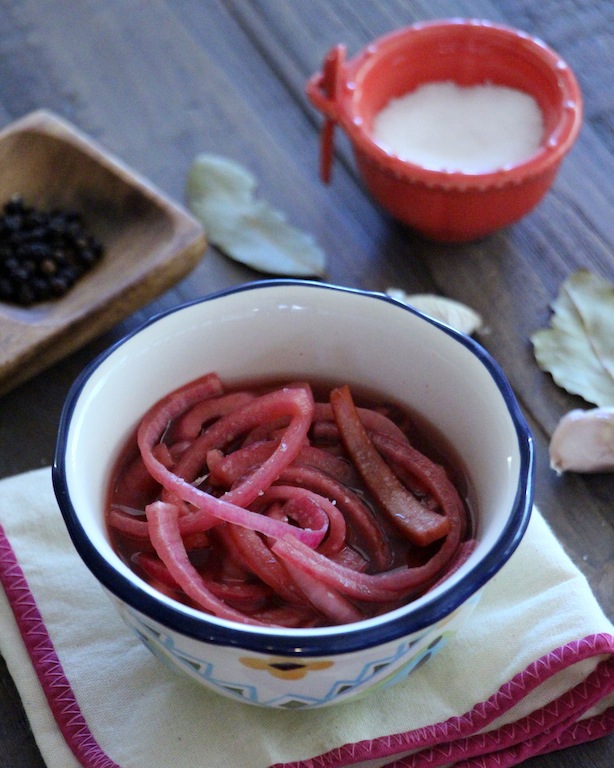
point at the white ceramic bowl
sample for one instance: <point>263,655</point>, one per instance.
<point>299,330</point>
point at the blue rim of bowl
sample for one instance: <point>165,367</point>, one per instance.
<point>305,642</point>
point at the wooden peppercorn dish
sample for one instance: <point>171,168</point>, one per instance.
<point>148,242</point>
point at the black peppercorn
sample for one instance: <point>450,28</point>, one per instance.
<point>42,253</point>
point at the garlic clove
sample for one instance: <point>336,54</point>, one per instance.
<point>583,441</point>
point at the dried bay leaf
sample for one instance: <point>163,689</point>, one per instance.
<point>578,347</point>
<point>221,195</point>
<point>453,313</point>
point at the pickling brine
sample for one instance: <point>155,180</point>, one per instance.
<point>288,504</point>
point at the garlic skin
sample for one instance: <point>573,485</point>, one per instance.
<point>583,441</point>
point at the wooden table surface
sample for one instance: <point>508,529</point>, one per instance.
<point>157,82</point>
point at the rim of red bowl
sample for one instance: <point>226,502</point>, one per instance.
<point>555,144</point>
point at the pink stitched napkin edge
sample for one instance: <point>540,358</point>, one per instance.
<point>456,741</point>
<point>56,687</point>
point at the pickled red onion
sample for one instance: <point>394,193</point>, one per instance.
<point>289,523</point>
<point>420,524</point>
<point>297,403</point>
<point>166,538</point>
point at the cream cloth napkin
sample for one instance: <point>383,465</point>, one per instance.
<point>532,671</point>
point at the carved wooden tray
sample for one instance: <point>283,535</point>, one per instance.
<point>150,242</point>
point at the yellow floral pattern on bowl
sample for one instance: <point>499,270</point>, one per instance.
<point>285,668</point>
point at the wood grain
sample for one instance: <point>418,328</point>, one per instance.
<point>158,82</point>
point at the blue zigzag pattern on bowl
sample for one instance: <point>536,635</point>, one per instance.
<point>163,646</point>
